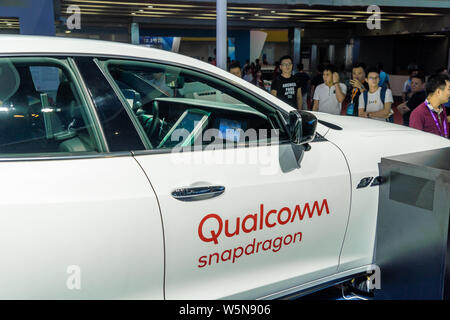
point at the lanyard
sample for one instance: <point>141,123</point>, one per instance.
<point>354,92</point>
<point>444,123</point>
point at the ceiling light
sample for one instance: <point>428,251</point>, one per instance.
<point>157,12</point>
<point>256,14</point>
<point>347,16</point>
<point>423,14</point>
<point>205,18</point>
<point>311,10</point>
<point>246,8</point>
<point>238,12</point>
<point>273,11</point>
<point>310,21</point>
<point>293,14</point>
<point>119,6</point>
<point>328,18</point>
<point>274,17</point>
<point>135,3</point>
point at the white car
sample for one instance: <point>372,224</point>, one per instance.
<point>134,173</point>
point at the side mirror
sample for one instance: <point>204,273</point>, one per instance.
<point>302,127</point>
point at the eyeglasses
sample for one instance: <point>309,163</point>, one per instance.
<point>374,78</point>
<point>286,64</point>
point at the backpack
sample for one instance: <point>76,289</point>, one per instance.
<point>382,97</point>
<point>366,97</point>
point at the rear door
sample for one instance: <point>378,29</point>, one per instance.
<point>241,217</point>
<point>77,219</point>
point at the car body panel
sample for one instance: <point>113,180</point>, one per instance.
<point>247,187</point>
<point>364,142</point>
<point>79,229</point>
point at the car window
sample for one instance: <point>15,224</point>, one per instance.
<point>181,107</point>
<point>41,109</point>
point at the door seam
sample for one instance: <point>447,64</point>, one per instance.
<point>162,224</point>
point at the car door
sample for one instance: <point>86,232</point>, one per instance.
<point>242,217</point>
<point>77,220</point>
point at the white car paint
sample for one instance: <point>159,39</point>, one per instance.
<point>114,217</point>
<point>246,189</point>
<point>55,215</point>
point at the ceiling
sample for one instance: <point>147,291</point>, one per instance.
<point>95,12</point>
<point>9,24</point>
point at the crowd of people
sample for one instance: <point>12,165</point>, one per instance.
<point>425,100</point>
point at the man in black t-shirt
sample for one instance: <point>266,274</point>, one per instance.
<point>418,97</point>
<point>285,86</point>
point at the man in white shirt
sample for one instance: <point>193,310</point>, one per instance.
<point>328,96</point>
<point>375,103</point>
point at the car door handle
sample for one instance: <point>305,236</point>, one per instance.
<point>197,193</point>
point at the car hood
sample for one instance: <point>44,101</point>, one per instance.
<point>365,141</point>
<point>356,124</point>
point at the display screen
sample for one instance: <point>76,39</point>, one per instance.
<point>230,130</point>
<point>188,122</point>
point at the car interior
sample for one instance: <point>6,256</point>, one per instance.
<point>40,110</point>
<point>176,108</point>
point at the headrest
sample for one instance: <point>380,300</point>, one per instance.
<point>65,95</point>
<point>9,79</point>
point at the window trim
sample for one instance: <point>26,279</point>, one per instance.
<point>121,97</point>
<point>283,114</point>
<point>108,124</point>
<point>277,109</point>
<point>95,119</point>
<point>63,156</point>
<point>113,56</point>
<point>63,61</point>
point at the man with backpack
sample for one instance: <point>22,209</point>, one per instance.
<point>377,101</point>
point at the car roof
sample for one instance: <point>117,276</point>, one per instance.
<point>46,44</point>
